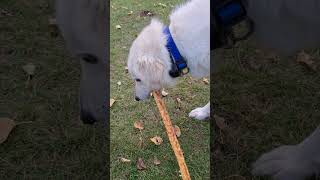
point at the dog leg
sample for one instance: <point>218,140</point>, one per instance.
<point>295,162</point>
<point>201,113</point>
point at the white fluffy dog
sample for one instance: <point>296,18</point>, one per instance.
<point>149,61</point>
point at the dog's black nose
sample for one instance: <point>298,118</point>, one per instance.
<point>87,118</point>
<point>137,98</point>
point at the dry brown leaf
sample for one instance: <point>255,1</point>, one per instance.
<point>138,125</point>
<point>146,13</point>
<point>306,59</point>
<point>140,164</point>
<point>6,126</point>
<point>156,161</point>
<point>220,121</point>
<point>112,101</point>
<point>4,12</point>
<point>178,100</point>
<point>29,69</point>
<point>177,131</point>
<point>124,160</point>
<point>157,140</point>
<point>206,81</point>
<point>164,93</point>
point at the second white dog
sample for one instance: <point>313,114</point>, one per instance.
<point>149,60</point>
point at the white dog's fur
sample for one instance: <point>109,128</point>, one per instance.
<point>149,60</point>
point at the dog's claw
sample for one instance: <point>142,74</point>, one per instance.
<point>199,113</point>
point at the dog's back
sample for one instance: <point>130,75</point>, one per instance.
<point>286,25</point>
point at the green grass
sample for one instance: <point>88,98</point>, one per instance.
<point>55,145</point>
<point>124,137</point>
<point>267,101</point>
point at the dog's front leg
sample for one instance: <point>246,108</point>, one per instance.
<point>201,113</point>
<point>295,162</point>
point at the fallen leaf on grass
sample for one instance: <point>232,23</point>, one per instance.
<point>6,126</point>
<point>164,93</point>
<point>156,161</point>
<point>124,160</point>
<point>29,69</point>
<point>220,122</point>
<point>178,100</point>
<point>4,12</point>
<point>157,140</point>
<point>112,101</point>
<point>305,59</point>
<point>177,131</point>
<point>138,125</point>
<point>146,13</point>
<point>206,81</point>
<point>119,83</point>
<point>140,164</point>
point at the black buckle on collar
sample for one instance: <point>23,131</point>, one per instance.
<point>179,65</point>
<point>174,71</point>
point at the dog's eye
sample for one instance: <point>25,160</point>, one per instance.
<point>138,80</point>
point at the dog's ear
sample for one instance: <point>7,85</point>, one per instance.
<point>151,67</point>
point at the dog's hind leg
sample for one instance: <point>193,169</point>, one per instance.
<point>201,113</point>
<point>295,162</point>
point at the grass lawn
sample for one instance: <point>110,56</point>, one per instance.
<point>124,137</point>
<point>54,144</point>
<point>267,101</point>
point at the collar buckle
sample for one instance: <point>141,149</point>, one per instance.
<point>179,65</point>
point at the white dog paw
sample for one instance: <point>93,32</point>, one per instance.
<point>283,163</point>
<point>199,113</point>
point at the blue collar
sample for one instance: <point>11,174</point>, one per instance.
<point>179,65</point>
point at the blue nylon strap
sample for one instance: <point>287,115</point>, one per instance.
<point>173,50</point>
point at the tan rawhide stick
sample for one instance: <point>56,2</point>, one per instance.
<point>172,136</point>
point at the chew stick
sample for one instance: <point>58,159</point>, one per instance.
<point>172,136</point>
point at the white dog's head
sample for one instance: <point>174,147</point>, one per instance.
<point>149,61</point>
